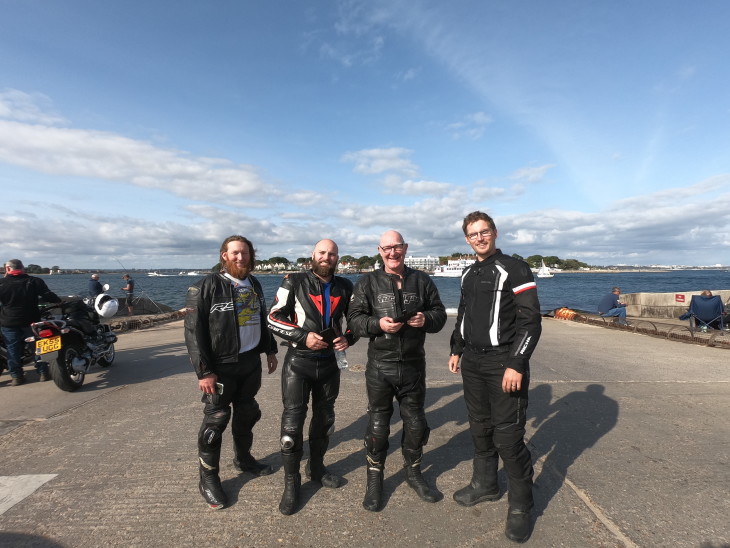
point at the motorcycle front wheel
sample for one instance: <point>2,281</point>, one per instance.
<point>107,358</point>
<point>63,373</point>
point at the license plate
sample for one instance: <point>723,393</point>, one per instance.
<point>44,346</point>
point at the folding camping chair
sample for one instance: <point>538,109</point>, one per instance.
<point>705,313</point>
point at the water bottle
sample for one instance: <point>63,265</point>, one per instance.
<point>341,359</point>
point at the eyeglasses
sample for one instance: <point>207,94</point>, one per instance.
<point>389,248</point>
<point>488,233</point>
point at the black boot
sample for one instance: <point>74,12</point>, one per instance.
<point>483,484</point>
<point>373,500</point>
<point>315,469</point>
<point>517,528</point>
<point>210,483</point>
<point>252,466</point>
<point>292,483</point>
<point>416,481</point>
<point>244,461</point>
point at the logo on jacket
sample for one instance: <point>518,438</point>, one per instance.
<point>222,307</point>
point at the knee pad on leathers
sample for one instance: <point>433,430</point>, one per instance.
<point>211,431</point>
<point>376,436</point>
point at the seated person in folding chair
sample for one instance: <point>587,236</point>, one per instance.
<point>705,311</point>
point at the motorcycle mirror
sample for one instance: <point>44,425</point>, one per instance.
<point>106,287</point>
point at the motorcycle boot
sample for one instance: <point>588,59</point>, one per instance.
<point>517,528</point>
<point>373,501</point>
<point>483,485</point>
<point>244,460</point>
<point>316,470</point>
<point>210,483</point>
<point>292,483</point>
<point>415,479</point>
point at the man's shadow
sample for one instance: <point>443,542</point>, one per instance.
<point>566,428</point>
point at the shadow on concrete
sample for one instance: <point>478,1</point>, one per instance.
<point>24,540</point>
<point>566,429</point>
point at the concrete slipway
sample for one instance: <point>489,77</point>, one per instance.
<point>629,434</point>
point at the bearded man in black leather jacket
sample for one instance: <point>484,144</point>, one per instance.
<point>310,312</point>
<point>395,307</point>
<point>226,333</point>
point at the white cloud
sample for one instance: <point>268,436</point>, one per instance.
<point>26,107</point>
<point>103,155</point>
<point>531,174</point>
<point>471,126</point>
<point>379,160</point>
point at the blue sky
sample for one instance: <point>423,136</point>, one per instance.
<point>146,132</point>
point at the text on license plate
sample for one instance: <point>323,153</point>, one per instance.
<point>44,346</point>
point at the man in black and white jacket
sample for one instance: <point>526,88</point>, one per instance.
<point>497,328</point>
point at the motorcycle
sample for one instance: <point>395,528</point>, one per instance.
<point>75,340</point>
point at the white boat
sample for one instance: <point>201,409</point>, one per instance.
<point>155,273</point>
<point>544,271</point>
<point>453,268</point>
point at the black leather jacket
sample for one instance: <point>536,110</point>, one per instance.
<point>298,310</point>
<point>498,310</point>
<point>211,326</point>
<point>19,296</point>
<point>376,296</point>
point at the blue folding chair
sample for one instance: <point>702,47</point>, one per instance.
<point>705,313</point>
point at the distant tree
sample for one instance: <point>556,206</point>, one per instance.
<point>534,260</point>
<point>55,267</point>
<point>303,260</point>
<point>348,259</point>
<point>366,262</point>
<point>275,260</point>
<point>35,269</point>
<point>573,264</point>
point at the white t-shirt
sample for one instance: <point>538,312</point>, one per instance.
<point>246,305</point>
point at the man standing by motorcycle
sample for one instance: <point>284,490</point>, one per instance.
<point>19,297</point>
<point>310,311</point>
<point>225,333</point>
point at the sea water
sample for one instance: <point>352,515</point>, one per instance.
<point>576,290</point>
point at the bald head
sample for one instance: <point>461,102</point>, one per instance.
<point>391,237</point>
<point>393,251</point>
<point>328,244</point>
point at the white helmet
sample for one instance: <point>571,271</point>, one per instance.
<point>105,305</point>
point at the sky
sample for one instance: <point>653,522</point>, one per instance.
<point>143,133</point>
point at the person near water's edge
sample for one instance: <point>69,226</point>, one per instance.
<point>498,325</point>
<point>95,287</point>
<point>610,306</point>
<point>310,312</point>
<point>225,334</point>
<point>395,307</point>
<point>129,291</point>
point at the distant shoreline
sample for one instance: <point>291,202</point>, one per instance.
<point>557,273</point>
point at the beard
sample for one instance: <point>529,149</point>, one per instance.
<point>323,270</point>
<point>238,272</point>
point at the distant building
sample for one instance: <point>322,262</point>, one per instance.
<point>428,264</point>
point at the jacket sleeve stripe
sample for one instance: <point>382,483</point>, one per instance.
<point>524,287</point>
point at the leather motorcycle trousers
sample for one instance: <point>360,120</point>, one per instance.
<point>406,383</point>
<point>302,376</point>
<point>241,382</point>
